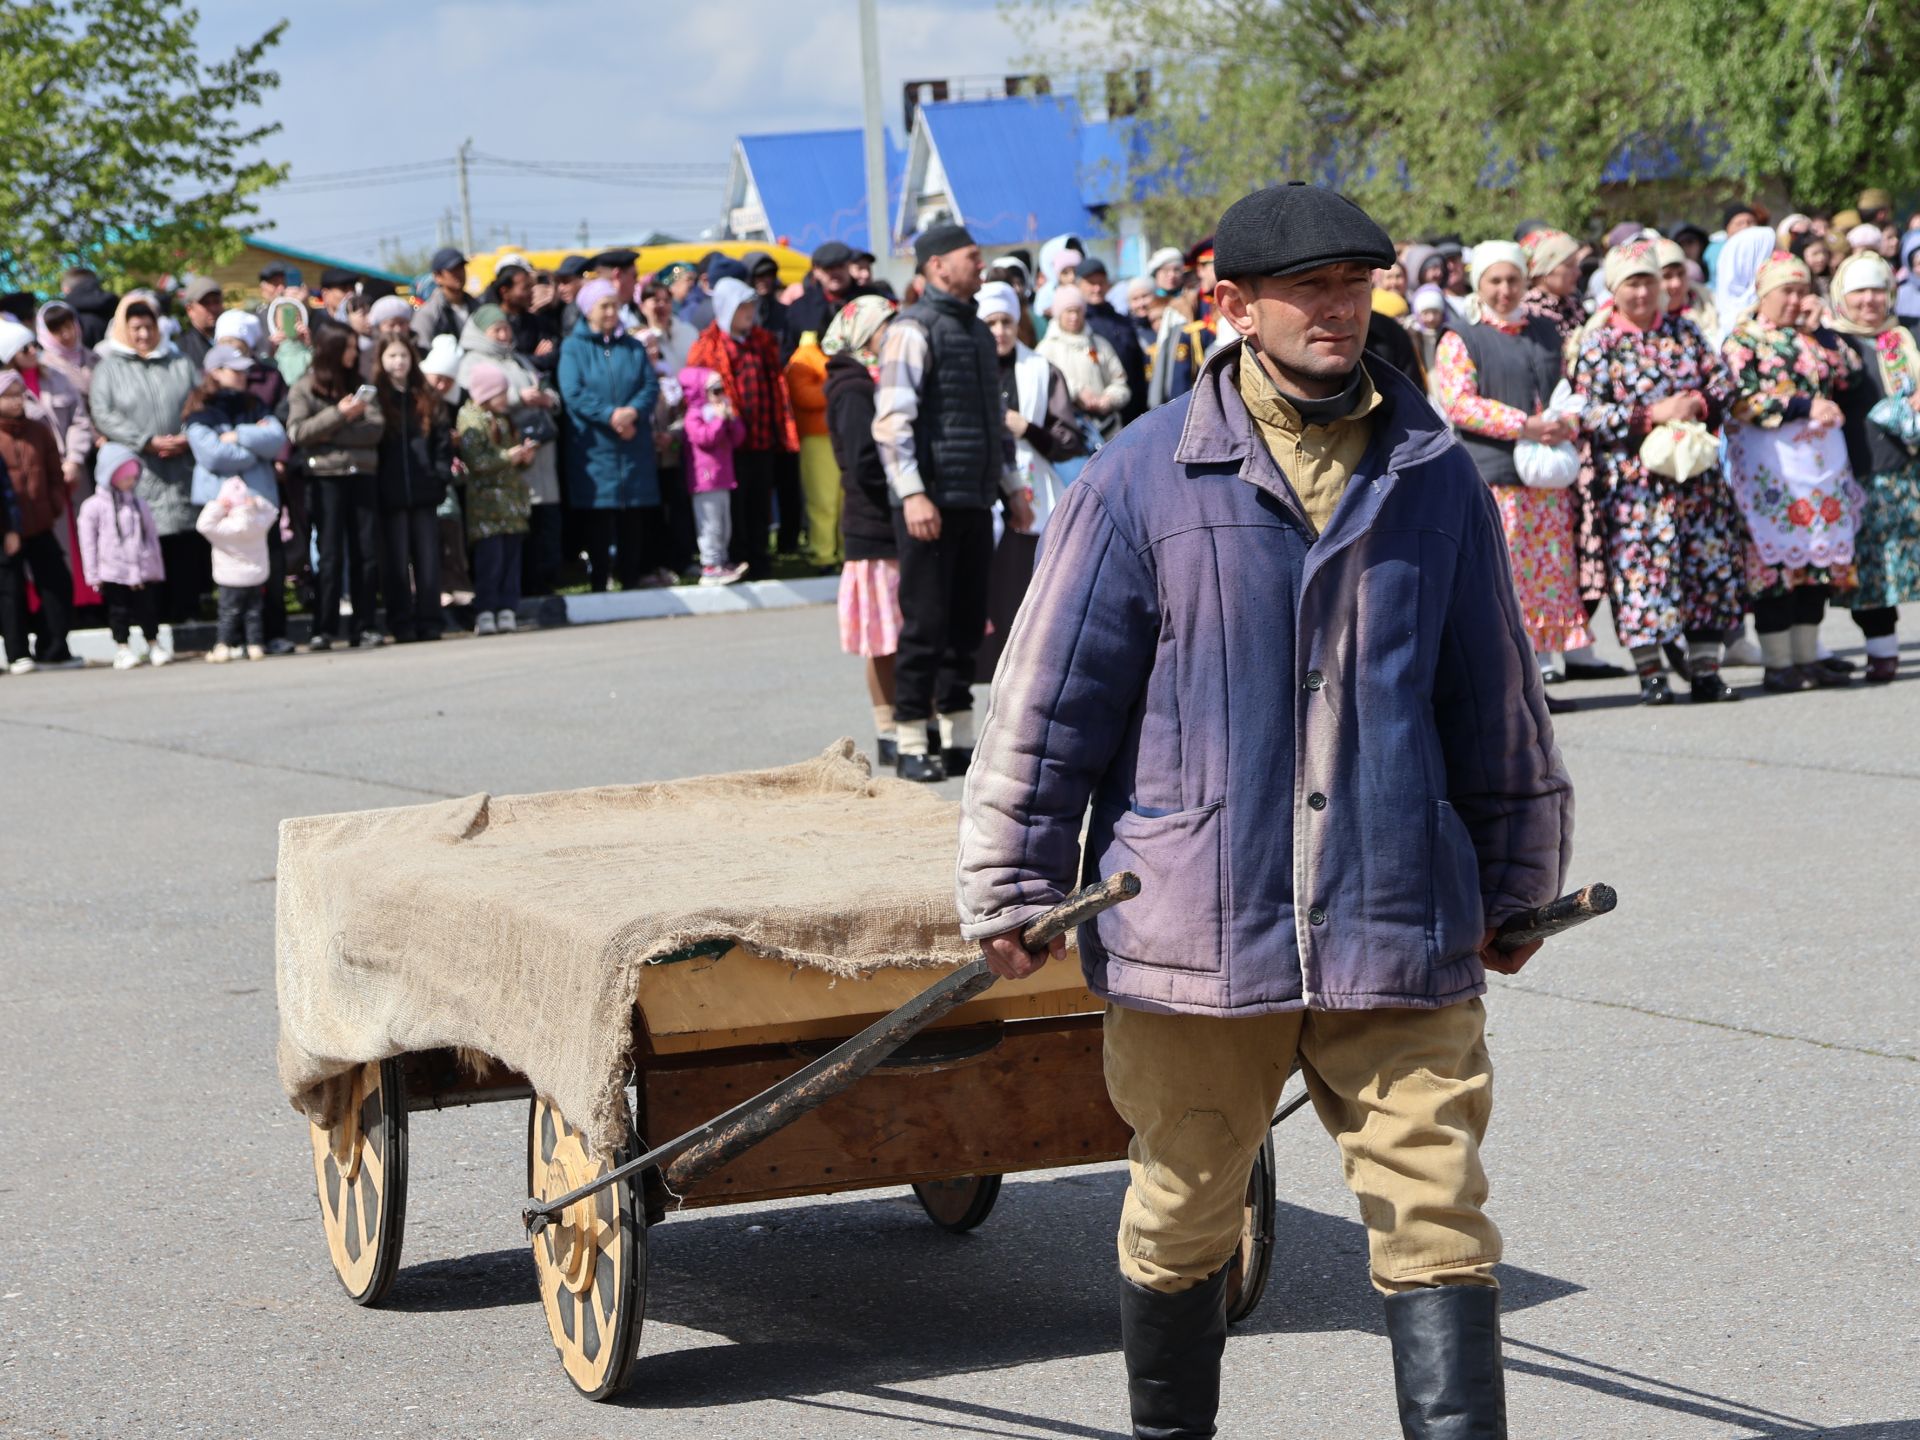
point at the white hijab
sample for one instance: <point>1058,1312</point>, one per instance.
<point>1735,272</point>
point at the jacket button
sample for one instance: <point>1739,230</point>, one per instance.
<point>1316,801</point>
<point>1316,916</point>
<point>1315,679</point>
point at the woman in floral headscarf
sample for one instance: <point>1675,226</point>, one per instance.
<point>1673,546</point>
<point>1886,548</point>
<point>1787,462</point>
<point>870,579</point>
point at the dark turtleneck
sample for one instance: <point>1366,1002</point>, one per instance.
<point>1320,412</point>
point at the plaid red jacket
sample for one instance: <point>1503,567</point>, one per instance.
<point>756,384</point>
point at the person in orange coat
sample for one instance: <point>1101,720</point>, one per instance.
<point>819,473</point>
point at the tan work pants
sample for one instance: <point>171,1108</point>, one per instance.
<point>1406,1093</point>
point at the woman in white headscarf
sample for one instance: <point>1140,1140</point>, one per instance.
<point>1734,274</point>
<point>1493,378</point>
<point>1787,463</point>
<point>1887,547</point>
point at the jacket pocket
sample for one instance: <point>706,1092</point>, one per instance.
<point>1178,920</point>
<point>1457,914</point>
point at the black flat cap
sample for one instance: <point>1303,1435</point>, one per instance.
<point>940,240</point>
<point>831,254</point>
<point>724,268</point>
<point>1091,266</point>
<point>572,267</point>
<point>614,259</point>
<point>334,278</point>
<point>275,271</point>
<point>1285,229</point>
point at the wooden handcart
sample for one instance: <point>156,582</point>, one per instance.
<point>1008,1082</point>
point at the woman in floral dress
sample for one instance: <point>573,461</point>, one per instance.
<point>1787,462</point>
<point>1492,379</point>
<point>1553,272</point>
<point>1673,547</point>
<point>1886,549</point>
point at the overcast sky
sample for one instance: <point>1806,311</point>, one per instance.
<point>370,83</point>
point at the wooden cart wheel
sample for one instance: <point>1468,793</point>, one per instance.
<point>1247,1279</point>
<point>360,1171</point>
<point>957,1206</point>
<point>592,1262</point>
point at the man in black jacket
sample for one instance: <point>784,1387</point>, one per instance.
<point>941,430</point>
<point>1118,331</point>
<point>828,286</point>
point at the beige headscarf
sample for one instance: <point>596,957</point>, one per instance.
<point>1547,251</point>
<point>1893,344</point>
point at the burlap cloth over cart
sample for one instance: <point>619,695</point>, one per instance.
<point>517,924</point>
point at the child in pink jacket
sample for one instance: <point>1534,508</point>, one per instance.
<point>714,432</point>
<point>235,523</point>
<point>120,555</point>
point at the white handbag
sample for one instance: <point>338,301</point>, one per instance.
<point>1680,449</point>
<point>1550,467</point>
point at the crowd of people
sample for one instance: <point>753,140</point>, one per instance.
<point>1694,427</point>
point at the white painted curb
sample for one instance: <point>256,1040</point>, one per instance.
<point>701,600</point>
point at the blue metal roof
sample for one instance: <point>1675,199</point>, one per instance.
<point>813,184</point>
<point>1014,165</point>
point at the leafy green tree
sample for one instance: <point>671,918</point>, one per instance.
<point>1818,93</point>
<point>1469,115</point>
<point>119,148</point>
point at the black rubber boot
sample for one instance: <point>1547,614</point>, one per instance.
<point>927,769</point>
<point>1446,1363</point>
<point>1173,1344</point>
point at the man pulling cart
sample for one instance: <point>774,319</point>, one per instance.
<point>1273,643</point>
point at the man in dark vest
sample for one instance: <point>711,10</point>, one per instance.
<point>941,430</point>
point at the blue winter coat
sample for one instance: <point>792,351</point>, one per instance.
<point>1328,759</point>
<point>598,375</point>
<point>257,444</point>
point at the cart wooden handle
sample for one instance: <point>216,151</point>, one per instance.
<point>1555,917</point>
<point>707,1147</point>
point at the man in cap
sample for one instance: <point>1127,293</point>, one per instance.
<point>828,286</point>
<point>273,280</point>
<point>203,303</point>
<point>335,286</point>
<point>568,276</point>
<point>1875,206</point>
<point>941,431</point>
<point>1119,331</point>
<point>1273,642</point>
<point>446,310</point>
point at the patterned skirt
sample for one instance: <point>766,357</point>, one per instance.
<point>870,607</point>
<point>1539,525</point>
<point>1887,550</point>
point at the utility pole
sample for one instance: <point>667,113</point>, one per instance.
<point>584,232</point>
<point>466,203</point>
<point>879,218</point>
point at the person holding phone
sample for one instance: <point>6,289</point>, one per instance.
<point>334,424</point>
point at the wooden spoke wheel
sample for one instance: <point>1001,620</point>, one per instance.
<point>957,1206</point>
<point>1247,1275</point>
<point>360,1170</point>
<point>592,1261</point>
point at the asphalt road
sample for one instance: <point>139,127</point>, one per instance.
<point>1704,1154</point>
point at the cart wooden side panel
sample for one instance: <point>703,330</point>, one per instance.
<point>724,1001</point>
<point>1023,1096</point>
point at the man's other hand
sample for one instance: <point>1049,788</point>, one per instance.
<point>1506,963</point>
